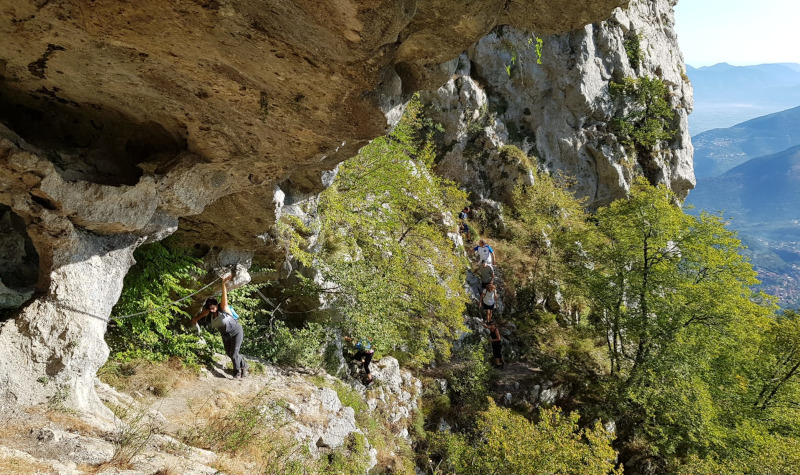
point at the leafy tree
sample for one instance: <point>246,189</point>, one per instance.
<point>671,294</point>
<point>779,385</point>
<point>546,223</point>
<point>633,50</point>
<point>505,442</point>
<point>390,269</point>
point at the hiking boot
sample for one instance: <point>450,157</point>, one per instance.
<point>238,375</point>
<point>244,372</point>
<point>369,382</point>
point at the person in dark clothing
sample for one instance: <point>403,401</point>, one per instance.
<point>232,333</point>
<point>463,228</point>
<point>497,344</point>
<point>364,352</point>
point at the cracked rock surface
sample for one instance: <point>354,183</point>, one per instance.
<point>122,122</point>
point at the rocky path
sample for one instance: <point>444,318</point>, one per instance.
<point>304,405</point>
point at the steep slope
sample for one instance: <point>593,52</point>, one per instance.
<point>717,151</point>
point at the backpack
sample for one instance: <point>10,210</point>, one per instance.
<point>233,313</point>
<point>364,345</point>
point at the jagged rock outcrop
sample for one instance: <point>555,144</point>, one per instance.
<point>560,112</point>
<point>124,122</point>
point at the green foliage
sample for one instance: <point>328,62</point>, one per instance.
<point>468,379</point>
<point>545,228</point>
<point>350,397</point>
<point>354,459</point>
<point>505,442</point>
<point>647,118</point>
<point>633,50</point>
<point>294,233</point>
<point>514,155</point>
<point>778,379</point>
<point>533,42</point>
<point>163,273</point>
<point>275,342</point>
<point>671,343</point>
<point>671,294</point>
<point>394,275</point>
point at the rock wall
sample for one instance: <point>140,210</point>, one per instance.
<point>559,112</point>
<point>124,121</point>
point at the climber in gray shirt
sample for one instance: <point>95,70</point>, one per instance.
<point>229,328</point>
<point>486,273</point>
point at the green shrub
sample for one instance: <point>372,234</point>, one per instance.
<point>163,273</point>
<point>288,346</point>
<point>505,442</point>
<point>395,276</point>
<point>648,116</point>
<point>633,50</point>
<point>468,379</point>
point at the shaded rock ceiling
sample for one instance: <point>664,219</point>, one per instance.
<point>240,95</point>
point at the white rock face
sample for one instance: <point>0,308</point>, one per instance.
<point>396,392</point>
<point>560,112</point>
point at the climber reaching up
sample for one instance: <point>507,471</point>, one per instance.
<point>224,319</point>
<point>364,352</point>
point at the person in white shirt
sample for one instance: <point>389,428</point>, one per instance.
<point>488,300</point>
<point>485,252</point>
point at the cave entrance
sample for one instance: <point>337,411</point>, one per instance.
<point>86,142</point>
<point>19,263</point>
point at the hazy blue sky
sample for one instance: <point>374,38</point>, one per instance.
<point>739,32</point>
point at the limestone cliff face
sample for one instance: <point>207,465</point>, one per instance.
<point>122,122</point>
<point>560,112</point>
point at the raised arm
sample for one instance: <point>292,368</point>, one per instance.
<point>223,305</point>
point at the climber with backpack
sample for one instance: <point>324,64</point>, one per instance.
<point>225,319</point>
<point>364,353</point>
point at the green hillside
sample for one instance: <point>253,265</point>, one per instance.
<point>719,150</point>
<point>764,189</point>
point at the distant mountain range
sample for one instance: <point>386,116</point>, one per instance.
<point>764,189</point>
<point>762,196</point>
<point>719,150</point>
<point>726,95</point>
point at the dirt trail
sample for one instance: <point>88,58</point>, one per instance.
<point>216,389</point>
